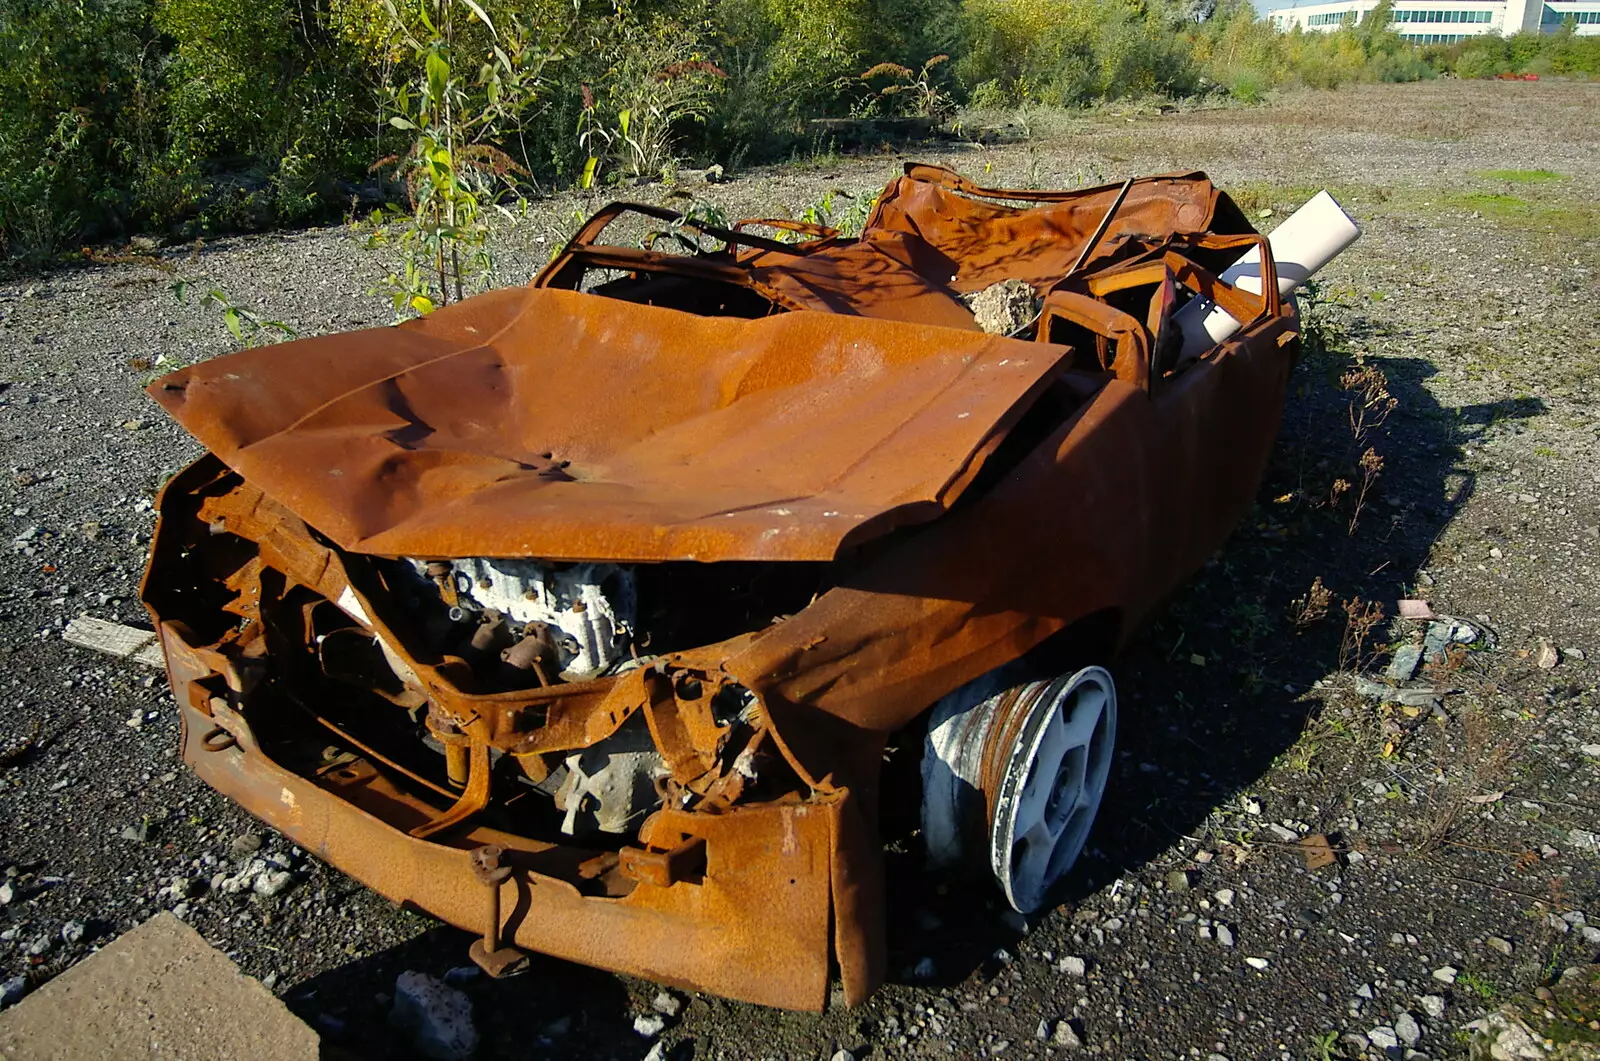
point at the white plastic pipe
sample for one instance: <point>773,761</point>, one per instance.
<point>1308,239</point>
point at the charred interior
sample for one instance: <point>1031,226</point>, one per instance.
<point>335,700</point>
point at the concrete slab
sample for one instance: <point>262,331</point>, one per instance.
<point>115,639</point>
<point>159,993</point>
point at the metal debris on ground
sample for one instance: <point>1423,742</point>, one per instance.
<point>632,575</point>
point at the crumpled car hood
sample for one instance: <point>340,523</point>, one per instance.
<point>567,426</point>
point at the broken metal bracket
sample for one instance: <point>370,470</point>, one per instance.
<point>473,798</point>
<point>686,862</point>
<point>487,953</point>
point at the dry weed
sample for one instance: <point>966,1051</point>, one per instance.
<point>1361,617</point>
<point>1312,608</point>
<point>1371,468</point>
<point>1370,401</point>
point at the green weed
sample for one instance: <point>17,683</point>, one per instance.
<point>1521,176</point>
<point>1491,204</point>
<point>453,171</point>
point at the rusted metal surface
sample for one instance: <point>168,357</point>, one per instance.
<point>491,428</point>
<point>901,504</point>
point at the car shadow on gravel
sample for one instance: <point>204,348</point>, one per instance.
<point>1214,690</point>
<point>555,1009</point>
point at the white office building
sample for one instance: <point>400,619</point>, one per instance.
<point>1448,21</point>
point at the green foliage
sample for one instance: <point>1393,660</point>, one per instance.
<point>1248,56</point>
<point>791,60</point>
<point>1072,52</point>
<point>1478,985</point>
<point>188,116</point>
<point>248,329</point>
<point>892,90</point>
<point>660,83</point>
<point>1562,53</point>
<point>70,82</point>
<point>257,90</point>
<point>848,219</point>
<point>1521,176</point>
<point>455,111</point>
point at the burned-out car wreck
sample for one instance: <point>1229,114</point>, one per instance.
<point>580,614</point>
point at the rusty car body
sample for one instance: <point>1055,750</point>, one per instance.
<point>579,614</point>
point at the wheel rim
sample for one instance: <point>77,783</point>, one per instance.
<point>1054,777</point>
<point>1014,776</point>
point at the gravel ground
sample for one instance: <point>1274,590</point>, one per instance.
<point>1463,831</point>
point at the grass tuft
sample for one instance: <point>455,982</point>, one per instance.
<point>1521,176</point>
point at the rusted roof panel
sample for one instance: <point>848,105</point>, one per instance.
<point>567,426</point>
<point>891,275</point>
<point>991,241</point>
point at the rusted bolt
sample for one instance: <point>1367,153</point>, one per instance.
<point>487,953</point>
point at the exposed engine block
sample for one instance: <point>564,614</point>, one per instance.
<point>590,608</point>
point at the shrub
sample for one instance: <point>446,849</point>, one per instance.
<point>68,89</point>
<point>1072,52</point>
<point>242,113</point>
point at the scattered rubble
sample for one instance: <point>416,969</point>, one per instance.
<point>1414,609</point>
<point>1066,1035</point>
<point>1004,308</point>
<point>434,1016</point>
<point>1421,696</point>
<point>1545,656</point>
<point>1407,1029</point>
<point>1404,664</point>
<point>265,877</point>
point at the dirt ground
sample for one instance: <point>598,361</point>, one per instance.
<point>1467,865</point>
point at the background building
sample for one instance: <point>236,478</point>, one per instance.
<point>1448,21</point>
